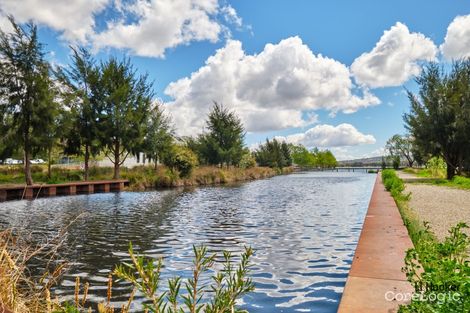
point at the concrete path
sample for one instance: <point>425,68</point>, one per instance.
<point>375,283</point>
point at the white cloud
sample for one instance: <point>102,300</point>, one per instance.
<point>161,24</point>
<point>271,90</point>
<point>231,15</point>
<point>75,19</point>
<point>394,58</point>
<point>457,41</point>
<point>143,27</point>
<point>343,135</point>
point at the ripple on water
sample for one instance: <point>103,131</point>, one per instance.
<point>304,228</point>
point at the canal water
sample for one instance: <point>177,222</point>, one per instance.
<point>304,228</point>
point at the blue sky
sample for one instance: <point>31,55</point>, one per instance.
<point>333,73</point>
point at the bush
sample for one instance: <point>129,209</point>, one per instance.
<point>247,161</point>
<point>182,159</point>
<point>439,272</point>
<point>437,167</point>
<point>393,183</point>
<point>460,181</point>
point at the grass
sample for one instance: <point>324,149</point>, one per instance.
<point>142,177</point>
<point>437,178</point>
<point>431,263</point>
<point>426,172</point>
<point>20,292</point>
<point>416,228</point>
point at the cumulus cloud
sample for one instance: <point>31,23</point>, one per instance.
<point>75,19</point>
<point>394,58</point>
<point>457,41</point>
<point>161,24</point>
<point>142,27</point>
<point>271,90</point>
<point>330,136</point>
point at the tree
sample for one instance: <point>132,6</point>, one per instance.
<point>439,119</point>
<point>329,159</point>
<point>125,100</point>
<point>401,147</point>
<point>223,143</point>
<point>158,135</point>
<point>26,93</point>
<point>302,157</point>
<point>81,80</point>
<point>272,154</point>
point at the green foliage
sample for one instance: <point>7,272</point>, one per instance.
<point>125,100</point>
<point>396,162</point>
<point>247,160</point>
<point>158,135</point>
<point>302,157</point>
<point>439,118</point>
<point>437,167</point>
<point>80,82</point>
<point>312,159</point>
<point>439,272</point>
<point>273,154</point>
<point>227,286</point>
<point>223,142</point>
<point>180,158</point>
<point>393,183</point>
<point>27,93</point>
<point>401,147</point>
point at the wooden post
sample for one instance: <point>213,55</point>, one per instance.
<point>50,191</point>
<point>28,193</point>
<point>3,195</point>
<point>73,190</point>
<point>90,188</point>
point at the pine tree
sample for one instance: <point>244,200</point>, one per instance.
<point>125,101</point>
<point>26,91</point>
<point>81,80</point>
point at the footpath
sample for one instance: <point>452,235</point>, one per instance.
<point>375,282</point>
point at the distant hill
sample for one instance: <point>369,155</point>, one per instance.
<point>362,162</point>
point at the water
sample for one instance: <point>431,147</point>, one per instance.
<point>304,228</point>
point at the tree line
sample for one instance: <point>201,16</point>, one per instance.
<point>438,123</point>
<point>89,108</point>
<point>314,158</point>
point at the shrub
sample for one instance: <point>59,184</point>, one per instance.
<point>228,284</point>
<point>181,159</point>
<point>437,167</point>
<point>20,293</point>
<point>461,181</point>
<point>439,272</point>
<point>393,183</point>
<point>247,161</point>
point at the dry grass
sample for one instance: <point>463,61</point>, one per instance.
<point>145,177</point>
<point>19,292</point>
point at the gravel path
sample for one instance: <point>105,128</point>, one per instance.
<point>442,207</point>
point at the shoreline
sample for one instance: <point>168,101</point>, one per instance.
<point>143,179</point>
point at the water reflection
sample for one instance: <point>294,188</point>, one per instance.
<point>304,228</point>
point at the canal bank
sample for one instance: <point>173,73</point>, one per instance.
<point>375,282</point>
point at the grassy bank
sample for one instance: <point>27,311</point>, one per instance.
<point>395,185</point>
<point>439,271</point>
<point>437,177</point>
<point>142,177</point>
